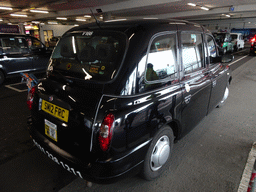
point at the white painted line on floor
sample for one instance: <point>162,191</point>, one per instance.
<point>244,183</point>
<point>15,89</point>
<point>237,60</point>
<point>18,90</point>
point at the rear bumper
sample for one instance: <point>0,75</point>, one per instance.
<point>97,171</point>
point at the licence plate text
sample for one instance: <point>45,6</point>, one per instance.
<point>55,110</point>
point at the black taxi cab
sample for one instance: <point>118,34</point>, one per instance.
<point>119,94</point>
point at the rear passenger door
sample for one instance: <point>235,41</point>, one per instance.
<point>195,80</point>
<point>16,57</point>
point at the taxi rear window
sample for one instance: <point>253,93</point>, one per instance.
<point>89,55</point>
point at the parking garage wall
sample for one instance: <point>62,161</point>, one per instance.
<point>58,30</point>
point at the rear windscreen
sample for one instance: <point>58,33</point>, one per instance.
<point>89,55</point>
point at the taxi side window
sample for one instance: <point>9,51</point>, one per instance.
<point>192,52</point>
<point>211,47</point>
<point>161,60</point>
<point>158,68</point>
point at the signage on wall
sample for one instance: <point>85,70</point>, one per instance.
<point>9,28</point>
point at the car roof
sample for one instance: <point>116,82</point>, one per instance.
<point>124,25</point>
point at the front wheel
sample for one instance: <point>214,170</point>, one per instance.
<point>225,96</point>
<point>159,153</point>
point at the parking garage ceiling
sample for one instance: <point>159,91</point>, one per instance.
<point>78,12</point>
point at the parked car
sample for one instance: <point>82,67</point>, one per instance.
<point>237,40</point>
<point>224,42</point>
<point>118,95</point>
<point>21,53</point>
<point>253,46</point>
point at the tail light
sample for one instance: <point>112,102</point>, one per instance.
<point>221,44</point>
<point>30,97</point>
<point>105,133</point>
<point>253,39</point>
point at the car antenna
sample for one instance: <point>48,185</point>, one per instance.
<point>97,21</point>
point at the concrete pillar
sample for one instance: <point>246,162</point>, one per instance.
<point>22,28</point>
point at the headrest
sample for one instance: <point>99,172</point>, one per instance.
<point>87,54</point>
<point>105,52</point>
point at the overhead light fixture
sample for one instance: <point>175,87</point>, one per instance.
<point>227,15</point>
<point>52,23</point>
<point>36,22</point>
<point>1,19</point>
<point>150,18</point>
<point>6,8</point>
<point>18,15</point>
<point>61,18</point>
<point>38,11</point>
<point>76,25</point>
<point>88,16</point>
<point>80,19</point>
<point>192,4</point>
<point>205,8</point>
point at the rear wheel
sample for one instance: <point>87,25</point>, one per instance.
<point>158,156</point>
<point>1,77</point>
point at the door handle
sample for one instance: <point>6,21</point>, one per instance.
<point>187,99</point>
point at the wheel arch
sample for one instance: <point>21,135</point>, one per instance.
<point>176,128</point>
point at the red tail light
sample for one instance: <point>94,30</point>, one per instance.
<point>221,44</point>
<point>106,130</point>
<point>30,97</point>
<point>253,39</point>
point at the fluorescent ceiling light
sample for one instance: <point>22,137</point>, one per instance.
<point>38,11</point>
<point>18,15</point>
<point>6,8</point>
<point>80,19</point>
<point>205,8</point>
<point>52,23</point>
<point>192,4</point>
<point>36,22</point>
<point>61,18</point>
<point>227,15</point>
<point>76,25</point>
<point>88,16</point>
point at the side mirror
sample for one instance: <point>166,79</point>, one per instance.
<point>222,59</point>
<point>227,58</point>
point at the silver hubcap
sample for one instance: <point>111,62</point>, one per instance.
<point>225,95</point>
<point>160,153</point>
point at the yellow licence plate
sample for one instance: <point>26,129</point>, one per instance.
<point>55,110</point>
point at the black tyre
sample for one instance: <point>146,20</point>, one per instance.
<point>1,77</point>
<point>159,153</point>
<point>225,96</point>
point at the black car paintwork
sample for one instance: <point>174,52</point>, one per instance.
<point>138,115</point>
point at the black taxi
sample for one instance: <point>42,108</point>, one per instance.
<point>119,94</point>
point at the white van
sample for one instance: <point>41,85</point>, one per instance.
<point>237,40</point>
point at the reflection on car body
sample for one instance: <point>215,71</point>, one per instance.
<point>21,53</point>
<point>130,89</point>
